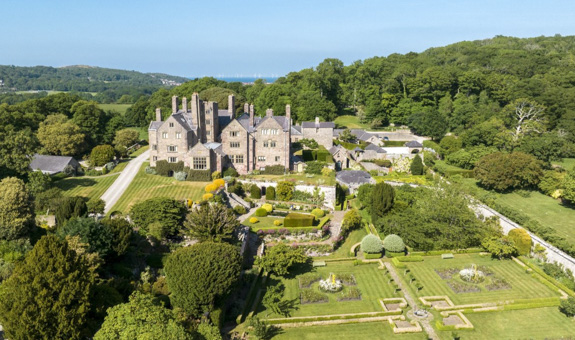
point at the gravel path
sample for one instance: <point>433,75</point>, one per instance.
<point>117,189</point>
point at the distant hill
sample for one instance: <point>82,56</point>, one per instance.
<point>80,78</point>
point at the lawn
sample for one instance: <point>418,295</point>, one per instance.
<point>566,163</point>
<point>343,251</point>
<point>350,122</point>
<point>371,281</point>
<point>145,186</point>
<point>372,330</point>
<point>86,187</point>
<point>523,286</point>
<point>544,209</point>
<point>263,223</point>
<point>120,108</point>
<point>539,323</point>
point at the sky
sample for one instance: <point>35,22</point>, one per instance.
<point>255,38</point>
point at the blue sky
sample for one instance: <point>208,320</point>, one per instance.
<point>232,38</point>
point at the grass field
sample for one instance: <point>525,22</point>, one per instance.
<point>373,330</point>
<point>540,323</point>
<point>523,286</point>
<point>350,122</point>
<point>566,163</point>
<point>544,209</point>
<point>371,281</point>
<point>86,187</point>
<point>145,186</point>
<point>343,251</point>
<point>120,108</point>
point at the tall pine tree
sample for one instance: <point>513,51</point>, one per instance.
<point>382,197</point>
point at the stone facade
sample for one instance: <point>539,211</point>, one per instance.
<point>321,132</point>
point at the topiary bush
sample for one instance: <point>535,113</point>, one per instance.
<point>318,213</point>
<point>271,193</point>
<point>261,212</point>
<point>255,192</point>
<point>231,172</point>
<point>298,220</point>
<point>253,220</point>
<point>371,244</point>
<point>180,175</point>
<point>211,187</point>
<point>522,240</point>
<point>207,196</point>
<point>393,243</point>
<point>239,209</point>
<point>216,175</point>
<point>277,223</point>
<point>219,182</point>
<point>268,207</point>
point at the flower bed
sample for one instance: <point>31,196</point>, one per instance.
<point>306,280</point>
<point>312,296</point>
<point>472,279</point>
<point>351,293</point>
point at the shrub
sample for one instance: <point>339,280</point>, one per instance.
<point>502,171</point>
<point>102,154</point>
<point>522,240</point>
<point>416,166</point>
<point>383,162</point>
<point>150,170</point>
<point>284,191</point>
<point>318,213</point>
<point>211,187</point>
<point>370,256</point>
<point>253,220</point>
<point>216,175</point>
<point>567,307</point>
<point>220,183</point>
<point>277,223</point>
<point>207,196</point>
<point>268,207</point>
<point>110,166</point>
<point>231,172</point>
<point>261,212</point>
<point>393,243</point>
<point>237,189</point>
<point>271,193</point>
<point>274,170</point>
<point>163,168</point>
<point>326,172</point>
<point>180,175</point>
<point>240,209</point>
<point>255,191</point>
<point>298,220</point>
<point>371,244</point>
<point>198,175</point>
<point>314,167</point>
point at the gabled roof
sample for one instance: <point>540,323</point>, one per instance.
<point>224,118</point>
<point>321,125</point>
<point>375,148</point>
<point>244,121</point>
<point>281,120</point>
<point>336,132</point>
<point>51,164</point>
<point>361,134</point>
<point>358,149</point>
<point>181,119</point>
<point>353,176</point>
<point>335,149</point>
<point>154,125</point>
<point>413,144</point>
<point>296,130</point>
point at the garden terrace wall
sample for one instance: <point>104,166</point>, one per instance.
<point>328,191</point>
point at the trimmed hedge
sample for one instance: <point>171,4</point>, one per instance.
<point>318,213</point>
<point>274,170</point>
<point>441,252</point>
<point>369,256</point>
<point>294,220</point>
<point>198,175</point>
<point>552,302</point>
<point>270,193</point>
<point>163,168</point>
<point>329,317</point>
<point>550,279</point>
<point>398,264</point>
<point>415,258</point>
<point>261,212</point>
<point>255,192</point>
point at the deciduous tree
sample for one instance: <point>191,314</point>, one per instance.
<point>281,258</point>
<point>15,209</point>
<point>211,222</point>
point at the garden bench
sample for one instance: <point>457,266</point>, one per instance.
<point>447,256</point>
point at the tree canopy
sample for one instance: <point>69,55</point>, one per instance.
<point>211,222</point>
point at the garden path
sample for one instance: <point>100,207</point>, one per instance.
<point>411,301</point>
<point>115,191</point>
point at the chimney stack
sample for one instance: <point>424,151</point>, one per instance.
<point>269,113</point>
<point>158,114</point>
<point>246,107</point>
<point>288,112</point>
<point>231,104</point>
<point>316,122</point>
<point>185,104</point>
<point>252,121</point>
<point>174,104</point>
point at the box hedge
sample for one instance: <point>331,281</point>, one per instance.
<point>298,220</point>
<point>261,212</point>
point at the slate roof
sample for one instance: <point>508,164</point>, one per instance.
<point>334,149</point>
<point>281,120</point>
<point>353,176</point>
<point>51,164</point>
<point>297,159</point>
<point>358,149</point>
<point>361,134</point>
<point>224,118</point>
<point>322,125</point>
<point>414,144</point>
<point>296,130</point>
<point>154,125</point>
<point>336,132</point>
<point>375,148</point>
<point>244,121</point>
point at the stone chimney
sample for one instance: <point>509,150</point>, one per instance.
<point>252,121</point>
<point>174,104</point>
<point>195,109</point>
<point>158,114</point>
<point>185,104</point>
<point>269,113</point>
<point>246,107</point>
<point>231,104</point>
<point>288,112</point>
<point>316,122</point>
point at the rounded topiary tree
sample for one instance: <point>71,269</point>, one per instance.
<point>371,244</point>
<point>268,207</point>
<point>261,212</point>
<point>393,243</point>
<point>256,192</point>
<point>522,240</point>
<point>318,213</point>
<point>271,193</point>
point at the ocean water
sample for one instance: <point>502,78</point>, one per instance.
<point>247,79</point>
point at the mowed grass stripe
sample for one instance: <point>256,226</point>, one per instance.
<point>85,187</point>
<point>146,186</point>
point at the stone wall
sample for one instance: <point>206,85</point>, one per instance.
<point>267,156</point>
<point>323,136</point>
